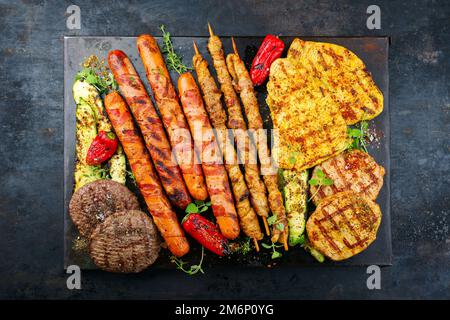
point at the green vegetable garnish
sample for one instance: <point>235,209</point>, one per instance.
<point>321,180</point>
<point>197,206</point>
<point>174,61</point>
<point>102,82</point>
<point>359,136</point>
<point>193,269</point>
<point>275,254</point>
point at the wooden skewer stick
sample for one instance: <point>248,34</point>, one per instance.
<point>195,48</point>
<point>256,244</point>
<point>266,226</point>
<point>234,47</point>
<point>211,33</point>
<point>286,248</point>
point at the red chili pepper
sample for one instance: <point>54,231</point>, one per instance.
<point>206,233</point>
<point>102,148</point>
<point>270,49</point>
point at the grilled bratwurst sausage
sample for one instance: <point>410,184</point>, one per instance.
<point>216,176</point>
<point>172,115</point>
<point>151,127</point>
<point>146,178</point>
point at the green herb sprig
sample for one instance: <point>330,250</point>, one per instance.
<point>275,254</point>
<point>197,206</point>
<point>321,180</point>
<point>174,61</point>
<point>272,220</point>
<point>193,269</point>
<point>103,83</point>
<point>359,136</point>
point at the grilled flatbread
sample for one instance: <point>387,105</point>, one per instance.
<point>343,225</point>
<point>352,170</point>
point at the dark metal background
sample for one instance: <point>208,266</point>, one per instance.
<point>373,52</point>
<point>32,144</point>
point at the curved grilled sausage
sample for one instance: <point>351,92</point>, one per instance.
<point>216,176</point>
<point>244,85</point>
<point>146,178</point>
<point>151,127</point>
<point>172,115</point>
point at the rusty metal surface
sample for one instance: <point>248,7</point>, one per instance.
<point>372,50</point>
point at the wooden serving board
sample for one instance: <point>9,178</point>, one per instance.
<point>373,51</point>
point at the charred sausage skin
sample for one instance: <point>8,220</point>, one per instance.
<point>151,127</point>
<point>145,175</point>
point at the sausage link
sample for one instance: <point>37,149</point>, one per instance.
<point>151,127</point>
<point>236,121</point>
<point>172,115</point>
<point>216,176</point>
<point>244,85</point>
<point>146,178</point>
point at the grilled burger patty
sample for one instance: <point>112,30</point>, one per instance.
<point>126,242</point>
<point>95,201</point>
<point>352,170</point>
<point>343,225</point>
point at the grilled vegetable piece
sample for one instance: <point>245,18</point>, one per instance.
<point>86,96</point>
<point>270,50</point>
<point>295,191</point>
<point>343,225</point>
<point>172,116</point>
<point>205,142</point>
<point>102,148</point>
<point>206,233</point>
<point>86,131</point>
<point>243,84</point>
<point>258,195</point>
<point>147,180</point>
<point>247,217</point>
<point>352,170</point>
<point>150,126</point>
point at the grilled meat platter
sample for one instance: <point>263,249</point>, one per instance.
<point>230,154</point>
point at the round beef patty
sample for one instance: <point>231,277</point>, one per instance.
<point>95,201</point>
<point>126,242</point>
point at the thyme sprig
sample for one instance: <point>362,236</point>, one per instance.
<point>174,61</point>
<point>193,269</point>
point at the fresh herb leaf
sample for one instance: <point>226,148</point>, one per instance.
<point>193,269</point>
<point>280,226</point>
<point>359,136</point>
<point>265,245</point>
<point>320,180</point>
<point>276,255</point>
<point>96,73</point>
<point>272,219</point>
<point>273,246</point>
<point>191,208</point>
<point>174,61</point>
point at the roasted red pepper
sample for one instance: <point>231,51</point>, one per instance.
<point>270,49</point>
<point>206,233</point>
<point>102,148</point>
